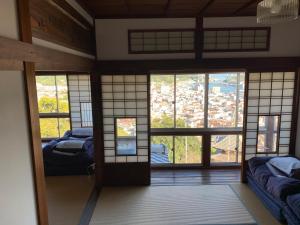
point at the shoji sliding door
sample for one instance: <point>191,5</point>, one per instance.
<point>125,129</point>
<point>269,116</point>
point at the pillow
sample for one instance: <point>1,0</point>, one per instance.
<point>82,132</point>
<point>70,144</point>
<point>287,165</point>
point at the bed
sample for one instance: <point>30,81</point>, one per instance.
<point>279,191</point>
<point>73,154</point>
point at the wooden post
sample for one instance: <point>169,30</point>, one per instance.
<point>33,115</point>
<point>199,38</point>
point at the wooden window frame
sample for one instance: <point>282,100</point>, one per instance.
<point>206,132</point>
<point>81,118</point>
<point>130,51</point>
<point>278,133</point>
<point>116,136</point>
<point>267,48</point>
<point>56,115</point>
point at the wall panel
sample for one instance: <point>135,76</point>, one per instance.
<point>269,94</point>
<point>80,100</point>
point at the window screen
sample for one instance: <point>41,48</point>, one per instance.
<point>236,39</point>
<point>161,41</point>
<point>125,96</point>
<point>270,100</point>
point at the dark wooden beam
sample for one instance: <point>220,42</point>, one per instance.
<point>45,58</point>
<point>208,4</point>
<point>83,5</point>
<point>73,12</point>
<point>33,116</point>
<point>13,65</point>
<point>96,91</point>
<point>217,64</point>
<point>245,6</point>
<point>167,7</point>
<point>199,36</point>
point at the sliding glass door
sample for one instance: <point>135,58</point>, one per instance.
<point>197,118</point>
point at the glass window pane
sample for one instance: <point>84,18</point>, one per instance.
<point>46,91</point>
<point>62,94</point>
<point>64,125</point>
<point>126,136</point>
<point>49,127</point>
<point>226,148</point>
<point>161,149</point>
<point>162,101</point>
<point>190,92</point>
<point>188,149</point>
<point>224,95</point>
<point>267,133</point>
<point>241,94</point>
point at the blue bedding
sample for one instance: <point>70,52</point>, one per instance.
<point>68,161</point>
<point>280,193</point>
<point>293,202</point>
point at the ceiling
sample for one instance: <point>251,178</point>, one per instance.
<point>169,8</point>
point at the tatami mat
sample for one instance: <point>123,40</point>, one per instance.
<point>67,196</point>
<point>170,205</point>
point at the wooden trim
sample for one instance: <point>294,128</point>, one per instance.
<point>263,64</point>
<point>96,94</point>
<point>54,115</point>
<point>73,12</point>
<point>44,58</point>
<point>244,162</point>
<point>199,37</point>
<point>33,116</point>
<point>86,8</point>
<point>6,64</point>
<point>294,125</point>
<point>208,4</point>
<point>278,132</point>
<point>116,135</point>
<point>222,166</point>
<point>245,6</point>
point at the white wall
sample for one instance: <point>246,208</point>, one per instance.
<point>112,37</point>
<point>17,198</point>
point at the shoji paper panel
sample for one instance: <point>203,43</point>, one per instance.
<point>269,94</point>
<point>80,100</point>
<point>125,96</point>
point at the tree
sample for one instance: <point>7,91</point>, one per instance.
<point>192,143</point>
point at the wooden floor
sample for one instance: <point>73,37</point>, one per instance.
<point>194,177</point>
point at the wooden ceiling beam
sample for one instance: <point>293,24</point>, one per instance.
<point>208,4</point>
<point>245,6</point>
<point>85,6</point>
<point>167,7</point>
<point>73,12</point>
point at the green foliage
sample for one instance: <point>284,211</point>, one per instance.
<point>49,105</point>
<point>53,128</point>
<point>194,144</point>
<point>122,133</point>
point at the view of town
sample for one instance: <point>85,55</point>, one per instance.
<point>178,101</point>
<point>187,101</point>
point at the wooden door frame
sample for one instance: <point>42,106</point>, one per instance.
<point>33,116</point>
